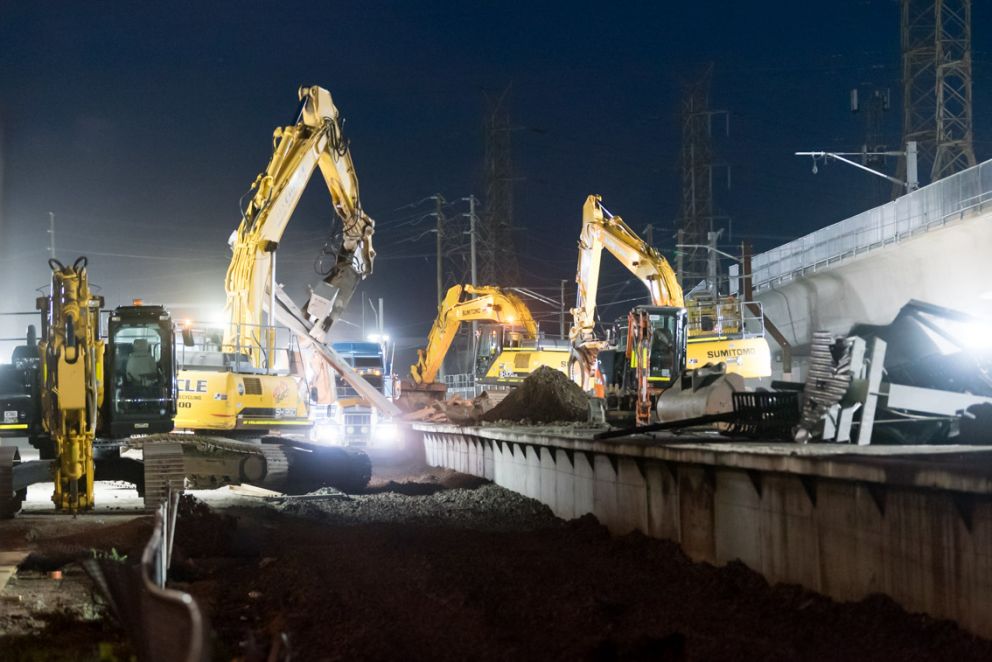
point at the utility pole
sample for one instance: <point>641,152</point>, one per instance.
<point>473,267</point>
<point>908,166</point>
<point>472,232</point>
<point>712,263</point>
<point>51,234</point>
<point>439,231</point>
<point>561,310</point>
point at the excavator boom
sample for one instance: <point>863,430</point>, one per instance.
<point>314,141</point>
<point>600,230</point>
<point>261,399</point>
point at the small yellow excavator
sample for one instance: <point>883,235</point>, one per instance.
<point>92,391</point>
<point>508,352</point>
<point>658,342</point>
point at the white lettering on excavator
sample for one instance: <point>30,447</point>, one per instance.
<point>728,353</point>
<point>187,385</point>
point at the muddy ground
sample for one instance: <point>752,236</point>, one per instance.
<point>430,564</point>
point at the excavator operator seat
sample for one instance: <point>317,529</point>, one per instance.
<point>142,369</point>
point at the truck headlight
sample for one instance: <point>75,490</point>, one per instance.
<point>326,433</point>
<point>386,433</point>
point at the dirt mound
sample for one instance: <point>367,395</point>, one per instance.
<point>546,396</point>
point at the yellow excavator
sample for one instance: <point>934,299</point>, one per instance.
<point>510,352</point>
<point>85,392</point>
<point>663,340</point>
<point>245,386</point>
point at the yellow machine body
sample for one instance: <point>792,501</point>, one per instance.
<point>464,303</point>
<point>232,401</point>
<point>748,357</point>
<point>514,364</point>
<point>315,142</point>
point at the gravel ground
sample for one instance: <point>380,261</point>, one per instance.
<point>441,566</point>
<point>485,508</point>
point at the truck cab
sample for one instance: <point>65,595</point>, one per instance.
<point>349,419</point>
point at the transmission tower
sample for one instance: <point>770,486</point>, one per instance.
<point>497,257</point>
<point>696,218</point>
<point>936,78</point>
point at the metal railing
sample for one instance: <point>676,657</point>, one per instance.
<point>725,318</point>
<point>964,194</point>
<point>461,384</point>
<point>161,623</point>
<point>207,342</point>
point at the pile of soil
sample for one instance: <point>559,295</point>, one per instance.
<point>384,581</point>
<point>546,396</point>
<point>488,507</point>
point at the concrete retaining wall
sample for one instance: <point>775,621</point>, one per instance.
<point>940,267</point>
<point>929,549</point>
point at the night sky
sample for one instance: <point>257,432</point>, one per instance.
<point>141,125</point>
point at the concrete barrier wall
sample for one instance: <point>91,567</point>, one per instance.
<point>943,267</point>
<point>929,549</point>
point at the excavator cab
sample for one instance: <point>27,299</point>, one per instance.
<point>660,333</point>
<point>140,372</point>
<point>492,340</point>
<point>656,347</point>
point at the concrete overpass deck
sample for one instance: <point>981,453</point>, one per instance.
<point>911,522</point>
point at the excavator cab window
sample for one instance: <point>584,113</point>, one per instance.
<point>139,376</point>
<point>140,371</point>
<point>667,344</point>
<point>490,345</point>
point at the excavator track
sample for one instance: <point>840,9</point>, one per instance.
<point>277,463</point>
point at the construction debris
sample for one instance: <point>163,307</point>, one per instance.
<point>456,409</point>
<point>546,396</point>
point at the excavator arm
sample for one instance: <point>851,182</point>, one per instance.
<point>600,230</point>
<point>490,304</point>
<point>314,141</point>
